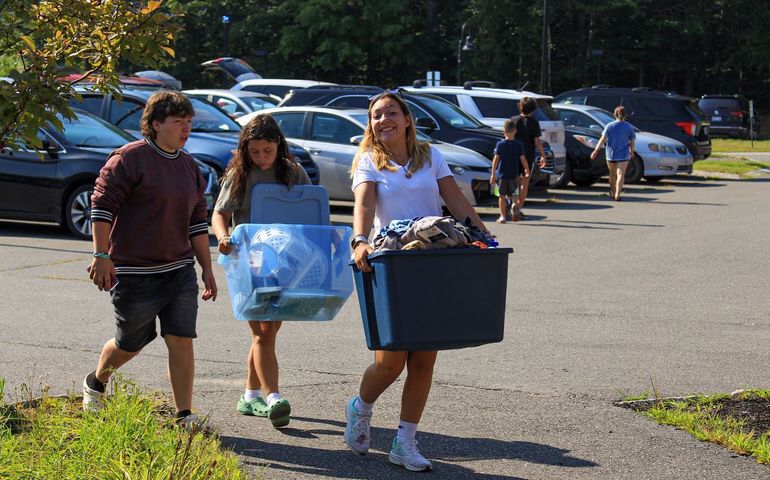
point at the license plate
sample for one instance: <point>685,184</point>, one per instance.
<point>716,119</point>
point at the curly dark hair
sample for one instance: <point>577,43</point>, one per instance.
<point>261,127</point>
<point>161,105</point>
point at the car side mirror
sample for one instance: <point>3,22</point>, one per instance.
<point>356,139</point>
<point>426,123</point>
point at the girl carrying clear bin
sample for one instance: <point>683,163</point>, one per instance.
<point>262,157</point>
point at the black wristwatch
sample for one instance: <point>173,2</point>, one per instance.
<point>358,239</point>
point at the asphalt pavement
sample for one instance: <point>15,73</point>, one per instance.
<point>665,290</point>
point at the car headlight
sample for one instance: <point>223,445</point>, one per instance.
<point>457,169</point>
<point>589,142</point>
<point>661,147</point>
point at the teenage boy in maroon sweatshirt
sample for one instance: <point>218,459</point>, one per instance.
<point>149,220</point>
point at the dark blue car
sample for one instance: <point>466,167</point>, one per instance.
<point>55,184</point>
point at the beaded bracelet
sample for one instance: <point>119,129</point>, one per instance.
<point>103,255</point>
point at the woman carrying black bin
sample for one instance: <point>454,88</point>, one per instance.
<point>396,177</point>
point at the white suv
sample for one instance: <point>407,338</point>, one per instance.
<point>493,106</point>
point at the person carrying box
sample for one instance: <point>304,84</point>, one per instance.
<point>262,156</point>
<point>396,177</point>
<point>509,154</point>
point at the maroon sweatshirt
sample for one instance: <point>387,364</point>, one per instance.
<point>154,201</point>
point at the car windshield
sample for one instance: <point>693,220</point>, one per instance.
<point>89,131</point>
<point>209,118</point>
<point>258,103</point>
<point>603,116</point>
<point>363,119</point>
<point>450,113</point>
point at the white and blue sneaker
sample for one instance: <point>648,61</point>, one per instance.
<point>357,431</point>
<point>407,455</point>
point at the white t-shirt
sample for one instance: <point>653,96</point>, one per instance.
<point>399,197</point>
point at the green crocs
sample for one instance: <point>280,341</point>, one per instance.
<point>278,413</point>
<point>256,407</point>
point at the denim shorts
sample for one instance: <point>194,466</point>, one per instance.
<point>138,300</point>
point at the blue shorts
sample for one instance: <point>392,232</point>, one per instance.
<point>171,297</point>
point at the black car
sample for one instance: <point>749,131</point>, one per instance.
<point>433,115</point>
<point>55,184</point>
<point>730,116</point>
<point>665,113</point>
<point>579,143</point>
<point>214,134</point>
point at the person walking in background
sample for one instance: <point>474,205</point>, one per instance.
<point>508,163</point>
<point>528,132</point>
<point>149,218</point>
<point>396,177</point>
<point>262,156</point>
<point>620,138</point>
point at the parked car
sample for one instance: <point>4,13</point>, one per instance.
<point>235,103</point>
<point>493,106</point>
<point>332,135</point>
<point>55,184</point>
<point>276,86</point>
<point>729,116</point>
<point>656,156</point>
<point>214,134</point>
<point>168,80</point>
<point>665,113</point>
<point>236,69</point>
<point>581,169</point>
<point>433,116</point>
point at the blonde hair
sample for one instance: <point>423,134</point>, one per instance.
<point>419,152</point>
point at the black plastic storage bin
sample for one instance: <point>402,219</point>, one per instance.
<point>435,299</point>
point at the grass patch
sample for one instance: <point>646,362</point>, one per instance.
<point>727,145</point>
<point>133,437</point>
<point>739,423</point>
<point>733,165</point>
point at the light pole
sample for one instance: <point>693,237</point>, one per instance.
<point>544,50</point>
<point>226,25</point>
<point>467,46</point>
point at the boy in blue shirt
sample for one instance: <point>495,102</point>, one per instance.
<point>507,164</point>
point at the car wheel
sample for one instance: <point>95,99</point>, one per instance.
<point>565,177</point>
<point>653,179</point>
<point>635,170</point>
<point>77,212</point>
<point>585,181</point>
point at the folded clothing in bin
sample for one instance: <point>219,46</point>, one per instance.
<point>288,272</point>
<point>436,299</point>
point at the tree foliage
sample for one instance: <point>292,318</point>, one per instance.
<point>691,46</point>
<point>42,39</point>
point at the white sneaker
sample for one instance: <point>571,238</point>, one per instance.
<point>357,431</point>
<point>407,455</point>
<point>93,400</point>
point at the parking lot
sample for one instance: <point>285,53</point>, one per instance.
<point>665,290</point>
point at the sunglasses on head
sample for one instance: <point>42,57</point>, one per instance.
<point>396,92</point>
